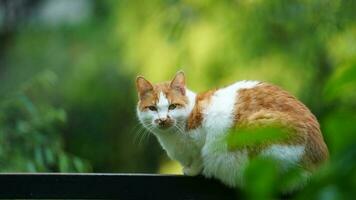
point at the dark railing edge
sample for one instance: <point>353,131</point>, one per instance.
<point>110,186</point>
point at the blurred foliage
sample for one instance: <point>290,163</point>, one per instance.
<point>268,178</point>
<point>30,131</point>
<point>247,137</point>
<point>67,80</point>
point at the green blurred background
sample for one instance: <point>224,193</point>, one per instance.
<point>67,71</point>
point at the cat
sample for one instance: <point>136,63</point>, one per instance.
<point>192,128</point>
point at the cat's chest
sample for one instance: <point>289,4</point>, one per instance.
<point>182,148</point>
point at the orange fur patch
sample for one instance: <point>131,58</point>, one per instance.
<point>196,117</point>
<point>267,104</point>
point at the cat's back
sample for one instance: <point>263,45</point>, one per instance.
<point>266,99</point>
<point>246,102</point>
<point>217,104</point>
<point>254,103</point>
<point>251,104</point>
<point>219,107</point>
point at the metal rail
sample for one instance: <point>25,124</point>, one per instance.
<point>110,186</point>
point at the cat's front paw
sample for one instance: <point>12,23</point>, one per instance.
<point>191,171</point>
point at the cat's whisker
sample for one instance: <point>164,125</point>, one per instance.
<point>142,138</point>
<point>147,134</point>
<point>136,130</point>
<point>142,134</point>
<point>179,129</point>
<point>139,134</point>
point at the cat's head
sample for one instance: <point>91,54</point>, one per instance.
<point>163,106</point>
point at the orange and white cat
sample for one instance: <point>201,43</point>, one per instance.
<point>192,128</point>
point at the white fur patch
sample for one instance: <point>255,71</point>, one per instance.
<point>191,100</point>
<point>288,155</point>
<point>219,115</point>
<point>223,164</point>
<point>218,119</point>
<point>162,106</point>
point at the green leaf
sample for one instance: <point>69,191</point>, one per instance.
<point>249,137</point>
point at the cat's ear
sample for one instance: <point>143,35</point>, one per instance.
<point>143,86</point>
<point>178,82</point>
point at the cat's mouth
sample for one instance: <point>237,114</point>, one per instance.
<point>164,124</point>
<point>164,127</point>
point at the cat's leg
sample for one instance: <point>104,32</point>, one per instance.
<point>286,155</point>
<point>194,169</point>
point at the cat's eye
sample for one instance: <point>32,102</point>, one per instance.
<point>152,108</point>
<point>172,106</point>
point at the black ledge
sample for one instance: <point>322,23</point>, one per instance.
<point>111,186</point>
